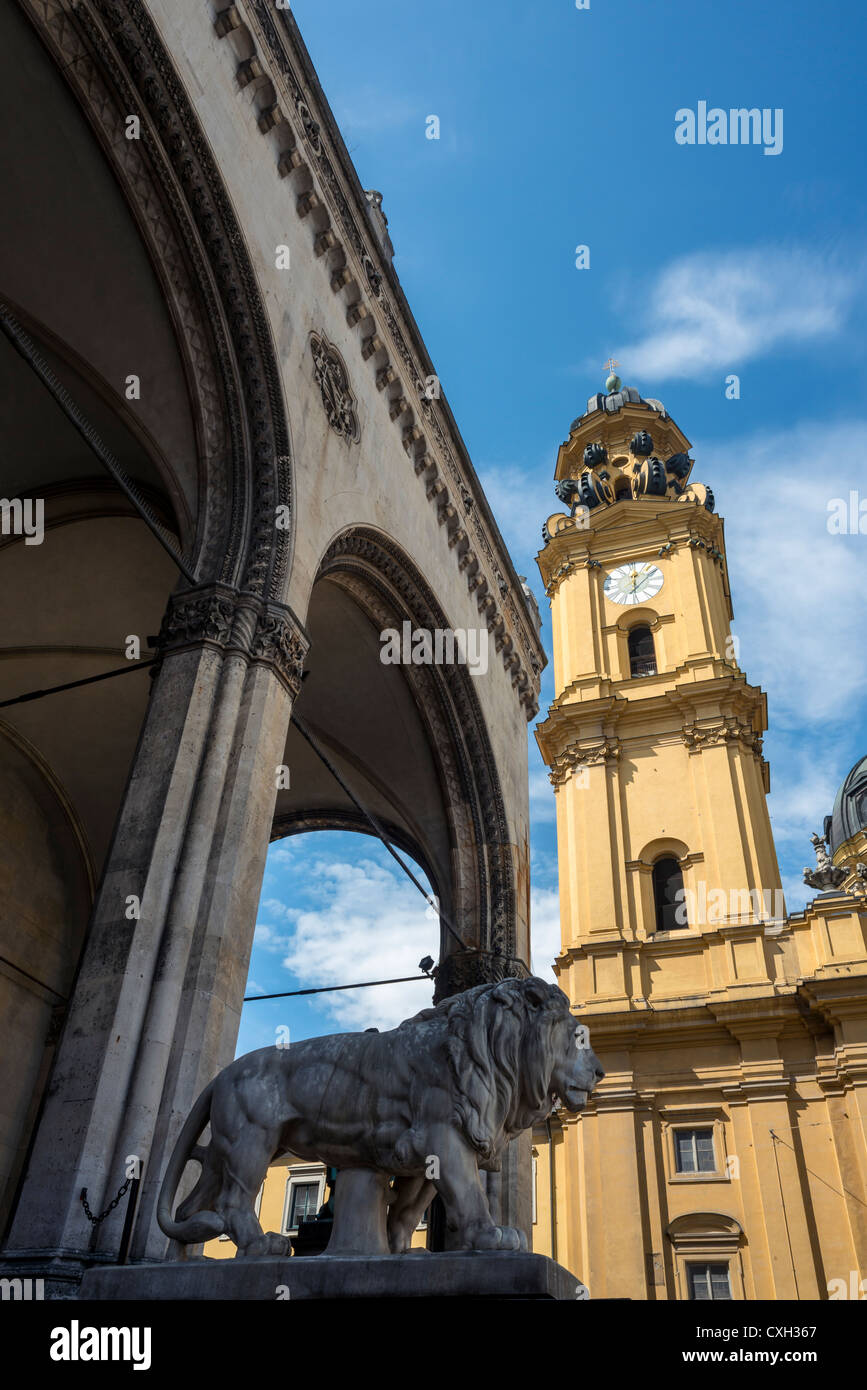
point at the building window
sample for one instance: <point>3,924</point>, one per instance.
<point>303,1202</point>
<point>694,1151</point>
<point>668,895</point>
<point>642,655</point>
<point>708,1282</point>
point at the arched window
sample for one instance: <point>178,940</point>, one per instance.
<point>668,897</point>
<point>642,656</point>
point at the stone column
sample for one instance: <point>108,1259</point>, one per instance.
<point>157,1001</point>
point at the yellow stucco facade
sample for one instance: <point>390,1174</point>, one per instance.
<point>293,1189</point>
<point>725,1152</point>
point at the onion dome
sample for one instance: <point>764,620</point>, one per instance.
<point>849,816</point>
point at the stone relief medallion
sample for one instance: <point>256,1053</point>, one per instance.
<point>333,382</point>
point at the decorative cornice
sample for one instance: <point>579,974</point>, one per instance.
<point>311,158</point>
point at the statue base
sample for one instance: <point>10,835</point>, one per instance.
<point>450,1274</point>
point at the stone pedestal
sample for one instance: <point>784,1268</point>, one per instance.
<point>453,1274</point>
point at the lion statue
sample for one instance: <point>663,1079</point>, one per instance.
<point>402,1115</point>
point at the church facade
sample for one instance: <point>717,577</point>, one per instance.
<point>724,1155</point>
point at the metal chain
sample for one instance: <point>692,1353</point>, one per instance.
<point>95,1220</point>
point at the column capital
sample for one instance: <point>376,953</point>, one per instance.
<point>232,620</point>
<point>463,969</point>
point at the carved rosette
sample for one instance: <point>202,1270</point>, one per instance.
<point>332,379</point>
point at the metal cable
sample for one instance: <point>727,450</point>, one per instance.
<point>374,823</point>
<point>26,347</point>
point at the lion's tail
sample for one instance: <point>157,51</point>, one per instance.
<point>204,1225</point>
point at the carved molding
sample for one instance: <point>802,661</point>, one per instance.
<point>729,730</point>
<point>573,760</point>
<point>343,237</point>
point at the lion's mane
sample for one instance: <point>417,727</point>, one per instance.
<point>501,1054</point>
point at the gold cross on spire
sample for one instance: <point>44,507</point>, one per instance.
<point>612,363</point>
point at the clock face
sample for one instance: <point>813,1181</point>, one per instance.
<point>635,582</point>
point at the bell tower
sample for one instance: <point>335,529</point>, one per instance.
<point>668,873</point>
<point>732,1036</point>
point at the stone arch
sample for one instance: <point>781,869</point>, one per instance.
<point>664,847</point>
<point>481,893</point>
<point>339,818</point>
<point>114,60</point>
<point>229,650</point>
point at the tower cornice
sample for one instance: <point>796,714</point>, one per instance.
<point>701,714</point>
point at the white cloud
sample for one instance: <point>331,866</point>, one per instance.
<point>275,908</point>
<point>543,804</point>
<point>374,927</point>
<point>521,500</point>
<point>797,590</point>
<point>713,311</point>
<point>266,938</point>
<point>285,853</point>
<point>545,931</point>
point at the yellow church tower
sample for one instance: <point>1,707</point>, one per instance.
<point>681,1179</point>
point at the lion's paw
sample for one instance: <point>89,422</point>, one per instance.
<point>270,1243</point>
<point>499,1238</point>
<point>277,1244</point>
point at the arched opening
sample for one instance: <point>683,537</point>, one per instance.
<point>668,895</point>
<point>85,594</point>
<point>336,910</point>
<point>409,740</point>
<point>642,653</point>
<point>105,274</point>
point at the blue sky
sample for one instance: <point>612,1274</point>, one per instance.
<point>557,130</point>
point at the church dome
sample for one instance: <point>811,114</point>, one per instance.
<point>850,808</point>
